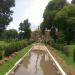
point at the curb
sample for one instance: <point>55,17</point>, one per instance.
<point>56,63</point>
<point>19,61</point>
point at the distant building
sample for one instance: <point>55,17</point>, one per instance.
<point>38,34</point>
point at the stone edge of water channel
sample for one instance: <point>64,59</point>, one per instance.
<point>60,70</point>
<point>18,62</point>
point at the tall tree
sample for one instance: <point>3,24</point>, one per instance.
<point>52,8</point>
<point>25,29</point>
<point>73,2</point>
<point>66,21</point>
<point>42,27</point>
<point>5,13</point>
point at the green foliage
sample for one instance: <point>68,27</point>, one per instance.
<point>73,2</point>
<point>66,51</point>
<point>61,15</point>
<point>13,47</point>
<point>66,16</point>
<point>42,27</point>
<point>52,8</point>
<point>21,35</point>
<point>2,47</point>
<point>9,64</point>
<point>10,34</point>
<point>6,12</point>
<point>25,29</point>
<point>65,20</point>
<point>53,33</point>
<point>58,46</point>
<point>68,60</point>
<point>61,47</point>
<point>74,55</point>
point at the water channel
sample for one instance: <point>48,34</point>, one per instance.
<point>37,62</point>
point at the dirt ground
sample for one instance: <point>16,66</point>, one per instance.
<point>68,69</point>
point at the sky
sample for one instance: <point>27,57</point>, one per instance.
<point>28,9</point>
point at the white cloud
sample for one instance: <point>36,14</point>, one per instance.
<point>36,11</point>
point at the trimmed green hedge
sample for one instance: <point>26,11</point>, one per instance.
<point>10,48</point>
<point>2,49</point>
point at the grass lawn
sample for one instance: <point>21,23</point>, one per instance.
<point>68,60</point>
<point>9,64</point>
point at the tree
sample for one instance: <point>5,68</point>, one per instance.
<point>53,33</point>
<point>25,29</point>
<point>66,21</point>
<point>52,8</point>
<point>10,34</point>
<point>21,35</point>
<point>5,13</point>
<point>73,2</point>
<point>42,27</point>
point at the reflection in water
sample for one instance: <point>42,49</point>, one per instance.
<point>34,66</point>
<point>36,63</point>
<point>47,66</point>
<point>26,61</point>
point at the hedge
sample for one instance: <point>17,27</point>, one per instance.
<point>2,49</point>
<point>10,48</point>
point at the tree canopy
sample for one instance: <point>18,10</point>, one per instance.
<point>61,15</point>
<point>52,8</point>
<point>5,13</point>
<point>66,21</point>
<point>73,1</point>
<point>66,17</point>
<point>25,29</point>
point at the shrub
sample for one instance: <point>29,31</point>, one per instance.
<point>0,55</point>
<point>7,50</point>
<point>66,51</point>
<point>58,46</point>
<point>2,48</point>
<point>74,55</point>
<point>15,46</point>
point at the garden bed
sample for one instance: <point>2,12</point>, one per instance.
<point>10,63</point>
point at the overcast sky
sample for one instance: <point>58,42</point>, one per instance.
<point>31,9</point>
